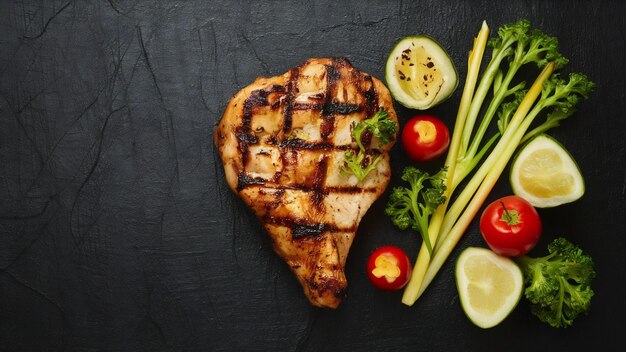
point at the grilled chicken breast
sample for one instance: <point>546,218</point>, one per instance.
<point>282,141</point>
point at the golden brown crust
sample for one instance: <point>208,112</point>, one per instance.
<point>282,141</point>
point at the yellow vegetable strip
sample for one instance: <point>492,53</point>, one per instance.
<point>474,60</point>
<point>486,176</point>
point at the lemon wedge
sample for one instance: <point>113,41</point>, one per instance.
<point>419,73</point>
<point>489,285</point>
<point>545,174</point>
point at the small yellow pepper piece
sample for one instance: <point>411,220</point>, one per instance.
<point>426,130</point>
<point>386,266</point>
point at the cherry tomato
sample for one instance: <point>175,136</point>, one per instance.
<point>425,137</point>
<point>389,268</point>
<point>510,226</point>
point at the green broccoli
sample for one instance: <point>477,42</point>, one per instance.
<point>412,207</point>
<point>562,96</point>
<point>381,127</point>
<point>508,109</point>
<point>517,45</point>
<point>558,285</point>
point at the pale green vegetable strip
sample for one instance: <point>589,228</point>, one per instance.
<point>486,177</point>
<point>423,259</point>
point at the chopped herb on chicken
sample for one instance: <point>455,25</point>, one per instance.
<point>361,163</point>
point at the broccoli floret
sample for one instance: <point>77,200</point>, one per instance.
<point>412,206</point>
<point>558,285</point>
<point>562,97</point>
<point>508,109</point>
<point>523,44</point>
<point>508,34</point>
<point>565,95</point>
<point>541,49</point>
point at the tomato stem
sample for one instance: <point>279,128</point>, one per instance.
<point>508,216</point>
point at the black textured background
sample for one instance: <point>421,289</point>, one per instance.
<point>118,232</point>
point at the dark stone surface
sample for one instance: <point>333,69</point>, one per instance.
<point>117,229</point>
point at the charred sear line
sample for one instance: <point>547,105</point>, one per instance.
<point>318,191</point>
<point>350,190</point>
<point>277,201</point>
<point>293,222</point>
<point>340,108</point>
<point>300,144</point>
<point>244,180</point>
<point>330,108</point>
<point>291,92</point>
<point>371,98</point>
<point>332,73</point>
<point>256,98</point>
<point>244,134</point>
<point>307,106</point>
<point>276,177</point>
<point>328,124</point>
<point>271,140</point>
<point>277,88</point>
<point>244,140</point>
<point>270,184</point>
<point>317,96</point>
<point>334,189</point>
<point>317,198</point>
<point>305,230</point>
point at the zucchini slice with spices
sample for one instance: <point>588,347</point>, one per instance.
<point>419,73</point>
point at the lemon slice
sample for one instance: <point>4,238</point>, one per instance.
<point>419,73</point>
<point>489,285</point>
<point>545,174</point>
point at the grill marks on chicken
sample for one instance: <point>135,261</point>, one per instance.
<point>282,141</point>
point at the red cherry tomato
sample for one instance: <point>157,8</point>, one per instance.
<point>510,226</point>
<point>425,137</point>
<point>389,268</point>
